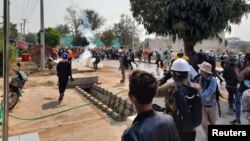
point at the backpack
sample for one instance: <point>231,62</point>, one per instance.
<point>186,107</point>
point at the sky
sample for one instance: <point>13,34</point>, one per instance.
<point>110,10</point>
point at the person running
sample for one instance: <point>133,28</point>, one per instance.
<point>148,125</point>
<point>96,55</point>
<point>131,58</point>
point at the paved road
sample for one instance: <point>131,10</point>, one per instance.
<point>223,120</point>
<point>151,68</point>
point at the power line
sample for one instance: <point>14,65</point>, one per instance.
<point>21,16</point>
<point>33,9</point>
<point>26,8</point>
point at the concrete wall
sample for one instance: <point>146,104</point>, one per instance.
<point>83,80</point>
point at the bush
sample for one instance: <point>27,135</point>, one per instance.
<point>12,56</point>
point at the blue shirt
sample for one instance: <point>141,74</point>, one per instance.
<point>208,88</point>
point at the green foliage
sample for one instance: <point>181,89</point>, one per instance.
<point>190,20</point>
<point>73,20</point>
<point>125,31</point>
<point>63,30</point>
<point>107,37</point>
<point>13,32</point>
<point>94,18</point>
<point>12,55</point>
<point>31,38</point>
<point>52,37</point>
<point>78,40</point>
<point>244,46</point>
<point>23,51</point>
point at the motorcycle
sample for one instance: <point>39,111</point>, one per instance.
<point>15,87</point>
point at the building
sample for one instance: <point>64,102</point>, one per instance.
<point>167,43</point>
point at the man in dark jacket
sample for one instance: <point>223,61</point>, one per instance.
<point>148,125</point>
<point>63,73</point>
<point>230,74</point>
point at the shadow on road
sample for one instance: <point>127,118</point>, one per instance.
<point>51,105</point>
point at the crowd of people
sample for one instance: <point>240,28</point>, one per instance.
<point>195,85</point>
<point>186,90</point>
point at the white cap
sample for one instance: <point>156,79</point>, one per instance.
<point>180,65</point>
<point>120,50</point>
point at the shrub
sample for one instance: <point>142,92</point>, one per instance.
<point>12,56</point>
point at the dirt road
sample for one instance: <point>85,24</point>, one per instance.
<point>33,113</point>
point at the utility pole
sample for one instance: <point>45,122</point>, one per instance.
<point>21,25</point>
<point>42,40</point>
<point>24,21</point>
<point>6,22</point>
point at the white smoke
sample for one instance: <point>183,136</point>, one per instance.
<point>86,31</point>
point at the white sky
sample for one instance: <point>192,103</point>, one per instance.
<point>55,11</point>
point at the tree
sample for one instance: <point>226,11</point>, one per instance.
<point>63,30</point>
<point>13,32</point>
<point>107,37</point>
<point>12,55</point>
<point>126,31</point>
<point>244,46</point>
<point>190,20</point>
<point>52,37</point>
<point>31,38</point>
<point>74,19</point>
<point>78,40</point>
<point>94,18</point>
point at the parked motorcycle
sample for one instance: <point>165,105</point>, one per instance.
<point>15,87</point>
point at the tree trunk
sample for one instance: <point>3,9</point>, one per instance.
<point>188,48</point>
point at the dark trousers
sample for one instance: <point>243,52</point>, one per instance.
<point>62,85</point>
<point>96,63</point>
<point>187,135</point>
<point>231,97</point>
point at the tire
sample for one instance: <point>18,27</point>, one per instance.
<point>13,99</point>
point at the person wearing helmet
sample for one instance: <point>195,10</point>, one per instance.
<point>181,65</point>
<point>179,70</point>
<point>63,73</point>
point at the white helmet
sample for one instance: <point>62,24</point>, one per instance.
<point>180,65</point>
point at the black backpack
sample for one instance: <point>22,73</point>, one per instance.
<point>188,112</point>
